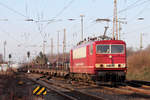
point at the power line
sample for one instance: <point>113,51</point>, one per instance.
<point>26,8</point>
<point>67,6</point>
<point>2,4</point>
<point>61,11</point>
<point>128,7</point>
<point>137,29</point>
<point>139,13</point>
<point>9,35</point>
<point>135,4</point>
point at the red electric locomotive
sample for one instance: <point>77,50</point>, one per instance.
<point>103,60</point>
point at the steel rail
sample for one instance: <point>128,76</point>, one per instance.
<point>125,89</point>
<point>75,90</point>
<point>74,94</point>
<point>137,90</point>
<point>54,90</point>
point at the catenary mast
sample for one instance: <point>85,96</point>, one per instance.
<point>115,25</point>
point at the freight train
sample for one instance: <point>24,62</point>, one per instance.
<point>94,59</point>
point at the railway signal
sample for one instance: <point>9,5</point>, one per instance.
<point>28,55</point>
<point>9,56</point>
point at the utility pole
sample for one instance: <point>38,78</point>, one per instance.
<point>64,45</point>
<point>115,25</point>
<point>5,50</point>
<point>141,41</point>
<point>141,36</point>
<point>58,48</point>
<point>120,28</point>
<point>44,46</point>
<point>81,27</point>
<point>51,47</point>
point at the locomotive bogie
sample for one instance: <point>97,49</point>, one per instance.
<point>113,76</point>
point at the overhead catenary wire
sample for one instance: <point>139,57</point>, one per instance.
<point>137,29</point>
<point>140,12</point>
<point>135,17</point>
<point>11,9</point>
<point>60,12</point>
<point>64,8</point>
<point>135,4</point>
<point>131,6</point>
<point>2,30</point>
<point>8,34</point>
<point>91,25</point>
<point>41,27</point>
<point>26,8</point>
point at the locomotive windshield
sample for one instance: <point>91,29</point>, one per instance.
<point>103,49</point>
<point>109,49</point>
<point>117,49</point>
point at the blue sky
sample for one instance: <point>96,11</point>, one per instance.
<point>21,35</point>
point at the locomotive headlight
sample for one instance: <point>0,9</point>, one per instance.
<point>99,65</point>
<point>123,65</point>
<point>110,56</point>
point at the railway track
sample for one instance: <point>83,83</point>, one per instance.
<point>66,92</point>
<point>123,89</point>
<point>129,87</point>
<point>137,87</point>
<point>141,84</point>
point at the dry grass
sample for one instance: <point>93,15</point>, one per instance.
<point>139,65</point>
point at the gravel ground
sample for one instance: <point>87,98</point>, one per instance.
<point>111,96</point>
<point>17,87</point>
<point>108,95</point>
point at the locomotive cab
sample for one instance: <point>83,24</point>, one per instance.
<point>110,62</point>
<point>103,60</point>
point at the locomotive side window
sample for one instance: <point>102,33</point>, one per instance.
<point>79,53</point>
<point>103,49</point>
<point>117,49</point>
<point>91,49</point>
